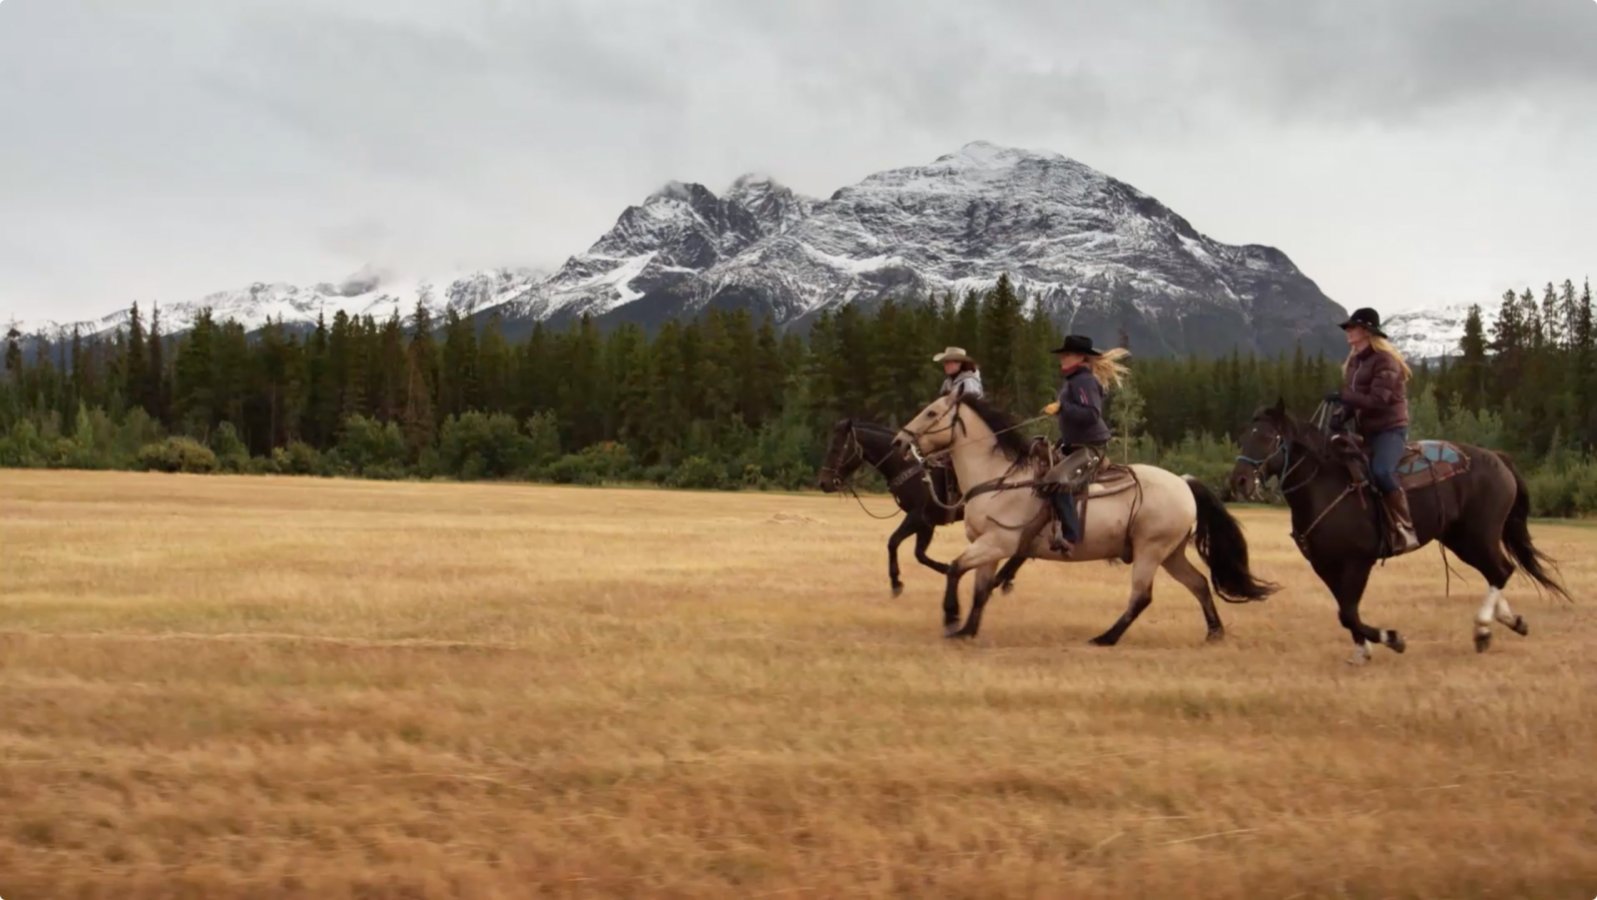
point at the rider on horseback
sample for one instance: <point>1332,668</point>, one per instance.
<point>961,373</point>
<point>1083,432</point>
<point>1374,389</point>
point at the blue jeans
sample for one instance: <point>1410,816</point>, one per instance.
<point>1386,451</point>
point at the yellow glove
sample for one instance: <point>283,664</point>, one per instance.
<point>1052,409</point>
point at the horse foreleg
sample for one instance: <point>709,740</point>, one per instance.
<point>923,539</point>
<point>905,528</point>
<point>1142,572</point>
<point>1005,578</point>
<point>1347,580</point>
<point>984,555</point>
<point>985,582</point>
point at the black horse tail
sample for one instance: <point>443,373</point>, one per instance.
<point>1224,550</point>
<point>1516,536</point>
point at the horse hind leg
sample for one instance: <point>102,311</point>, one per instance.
<point>1505,615</point>
<point>1142,572</point>
<point>1187,575</point>
<point>1494,564</point>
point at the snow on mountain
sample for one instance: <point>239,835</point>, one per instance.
<point>1098,255</point>
<point>1101,256</point>
<point>366,292</point>
<point>1433,333</point>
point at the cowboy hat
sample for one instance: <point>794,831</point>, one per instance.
<point>1367,319</point>
<point>1076,343</point>
<point>952,354</point>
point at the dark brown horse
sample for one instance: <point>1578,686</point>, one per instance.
<point>1481,514</point>
<point>920,492</point>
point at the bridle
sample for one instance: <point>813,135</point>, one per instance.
<point>1283,449</point>
<point>850,459</point>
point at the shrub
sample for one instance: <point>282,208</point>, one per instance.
<point>22,447</point>
<point>229,448</point>
<point>474,445</point>
<point>178,454</point>
<point>699,473</point>
<point>600,463</point>
<point>298,458</point>
<point>371,448</point>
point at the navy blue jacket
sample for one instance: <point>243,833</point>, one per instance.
<point>1081,410</point>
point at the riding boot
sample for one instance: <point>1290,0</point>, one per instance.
<point>1066,528</point>
<point>1403,537</point>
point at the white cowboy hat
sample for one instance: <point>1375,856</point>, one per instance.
<point>952,354</point>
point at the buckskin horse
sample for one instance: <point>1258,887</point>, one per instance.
<point>1469,498</point>
<point>1152,518</point>
<point>913,486</point>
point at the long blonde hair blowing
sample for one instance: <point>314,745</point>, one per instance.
<point>1382,345</point>
<point>1108,368</point>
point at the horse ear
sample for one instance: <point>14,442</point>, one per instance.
<point>1280,406</point>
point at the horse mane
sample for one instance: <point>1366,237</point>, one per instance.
<point>1005,427</point>
<point>1301,433</point>
<point>875,427</point>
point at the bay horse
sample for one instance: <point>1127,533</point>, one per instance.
<point>1004,518</point>
<point>914,487</point>
<point>1481,514</point>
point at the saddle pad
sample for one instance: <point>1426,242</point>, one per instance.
<point>1112,479</point>
<point>1429,462</point>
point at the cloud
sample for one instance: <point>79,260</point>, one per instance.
<point>174,147</point>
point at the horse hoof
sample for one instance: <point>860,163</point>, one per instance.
<point>957,634</point>
<point>1102,640</point>
<point>1358,659</point>
<point>1008,587</point>
<point>1520,626</point>
<point>1482,641</point>
<point>1216,635</point>
<point>898,589</point>
<point>1396,642</point>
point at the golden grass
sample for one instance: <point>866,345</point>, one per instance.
<point>217,687</point>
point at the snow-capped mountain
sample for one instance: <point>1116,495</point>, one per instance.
<point>1433,333</point>
<point>1100,256</point>
<point>366,292</point>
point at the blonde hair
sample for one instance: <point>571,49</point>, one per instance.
<point>1382,345</point>
<point>1108,368</point>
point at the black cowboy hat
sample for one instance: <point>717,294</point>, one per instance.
<point>1365,318</point>
<point>1076,343</point>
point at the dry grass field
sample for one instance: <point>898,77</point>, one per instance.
<point>217,687</point>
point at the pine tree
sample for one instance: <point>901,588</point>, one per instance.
<point>1000,343</point>
<point>13,354</point>
<point>417,420</point>
<point>136,366</point>
<point>194,398</point>
<point>158,393</point>
<point>1471,371</point>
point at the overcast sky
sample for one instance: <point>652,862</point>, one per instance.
<point>1402,152</point>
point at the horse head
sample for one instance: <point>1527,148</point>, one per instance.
<point>1266,450</point>
<point>843,457</point>
<point>932,429</point>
